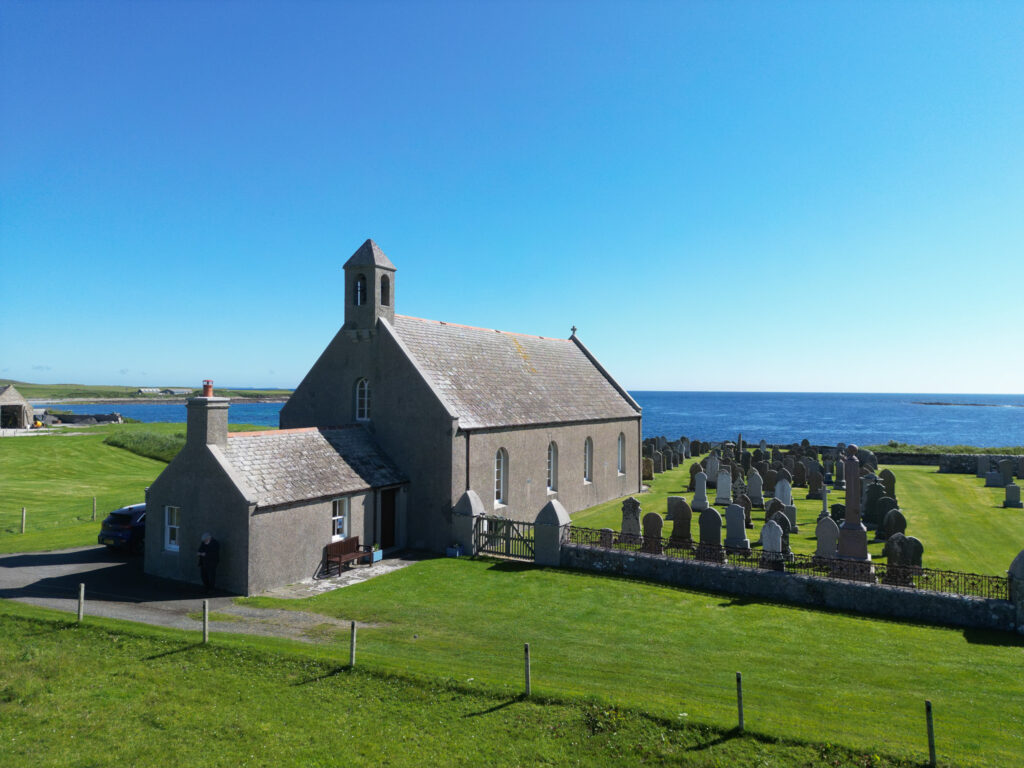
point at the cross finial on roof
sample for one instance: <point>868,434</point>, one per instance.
<point>573,329</point>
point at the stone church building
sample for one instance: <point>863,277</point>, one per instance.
<point>398,422</point>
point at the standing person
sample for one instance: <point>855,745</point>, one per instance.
<point>209,556</point>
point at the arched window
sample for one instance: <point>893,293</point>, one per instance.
<point>362,400</point>
<point>622,454</point>
<point>500,476</point>
<point>588,461</point>
<point>385,291</point>
<point>359,297</point>
<point>552,466</point>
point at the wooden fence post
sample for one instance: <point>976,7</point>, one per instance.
<point>931,733</point>
<point>352,648</point>
<point>81,602</point>
<point>94,509</point>
<point>206,621</point>
<point>22,519</point>
<point>526,653</point>
<point>739,697</point>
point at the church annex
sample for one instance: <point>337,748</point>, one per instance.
<point>418,416</point>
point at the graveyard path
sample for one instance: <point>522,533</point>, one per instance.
<point>116,587</point>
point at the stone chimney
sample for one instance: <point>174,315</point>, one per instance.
<point>207,418</point>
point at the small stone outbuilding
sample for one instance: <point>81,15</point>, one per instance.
<point>15,410</point>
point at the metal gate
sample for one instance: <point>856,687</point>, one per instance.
<point>503,537</point>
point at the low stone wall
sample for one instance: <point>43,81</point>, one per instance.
<point>875,599</point>
<point>967,463</point>
<point>922,459</point>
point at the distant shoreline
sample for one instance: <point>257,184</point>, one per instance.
<point>147,401</point>
<point>973,405</point>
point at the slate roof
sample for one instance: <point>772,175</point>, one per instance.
<point>369,254</point>
<point>495,379</point>
<point>289,465</point>
<point>8,394</point>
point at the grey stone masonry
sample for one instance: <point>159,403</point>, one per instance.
<point>971,464</point>
<point>1012,500</point>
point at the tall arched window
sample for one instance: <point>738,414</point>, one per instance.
<point>588,460</point>
<point>552,466</point>
<point>359,295</point>
<point>385,291</point>
<point>622,454</point>
<point>500,476</point>
<point>363,400</point>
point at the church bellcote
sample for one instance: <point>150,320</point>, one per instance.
<point>369,288</point>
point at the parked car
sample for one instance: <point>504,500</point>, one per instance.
<point>124,529</point>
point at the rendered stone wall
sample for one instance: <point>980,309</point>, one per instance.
<point>875,599</point>
<point>967,463</point>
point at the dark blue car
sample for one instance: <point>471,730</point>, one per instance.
<point>124,529</point>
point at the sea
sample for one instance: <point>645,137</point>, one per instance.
<point>778,417</point>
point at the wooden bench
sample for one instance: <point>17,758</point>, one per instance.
<point>344,551</point>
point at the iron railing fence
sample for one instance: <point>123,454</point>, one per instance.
<point>503,537</point>
<point>910,577</point>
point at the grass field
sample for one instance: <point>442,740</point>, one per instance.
<point>808,675</point>
<point>962,524</point>
<point>79,694</point>
<point>55,476</point>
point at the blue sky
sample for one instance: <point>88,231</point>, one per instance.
<point>786,196</point>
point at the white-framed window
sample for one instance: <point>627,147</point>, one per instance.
<point>385,291</point>
<point>588,460</point>
<point>359,291</point>
<point>622,454</point>
<point>339,519</point>
<point>500,477</point>
<point>362,400</point>
<point>172,528</point>
<point>552,466</point>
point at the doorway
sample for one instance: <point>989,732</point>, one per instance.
<point>387,517</point>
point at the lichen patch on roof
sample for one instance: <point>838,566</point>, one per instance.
<point>495,379</point>
<point>284,466</point>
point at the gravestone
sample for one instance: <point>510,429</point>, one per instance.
<point>681,517</point>
<point>607,538</point>
<point>882,507</point>
<point>659,462</point>
<point>771,546</point>
<point>686,448</point>
<point>754,485</point>
<point>898,571</point>
<point>853,536</point>
<point>839,479</point>
<point>700,493</point>
<point>738,486</point>
<point>824,501</point>
<point>735,529</point>
<point>871,515</point>
<point>983,465</point>
<point>711,469</point>
<point>889,481</point>
<point>630,528</point>
<point>994,479</point>
<point>830,469</point>
<point>770,478</point>
<point>814,485</point>
<point>837,512</point>
<point>827,534</point>
<point>648,469</point>
<point>893,522</point>
<point>744,501</point>
<point>694,469</point>
<point>789,463</point>
<point>774,506</point>
<point>800,475</point>
<point>784,491</point>
<point>1020,467</point>
<point>652,533</point>
<point>710,546</point>
<point>913,552</point>
<point>745,461</point>
<point>723,488</point>
<point>783,523</point>
<point>1006,470</point>
<point>1012,500</point>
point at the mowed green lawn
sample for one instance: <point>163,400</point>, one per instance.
<point>961,523</point>
<point>54,476</point>
<point>808,675</point>
<point>112,693</point>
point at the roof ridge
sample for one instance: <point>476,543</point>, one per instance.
<point>478,328</point>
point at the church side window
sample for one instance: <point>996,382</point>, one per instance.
<point>622,454</point>
<point>552,466</point>
<point>385,291</point>
<point>500,476</point>
<point>172,528</point>
<point>362,400</point>
<point>360,291</point>
<point>339,519</point>
<point>588,461</point>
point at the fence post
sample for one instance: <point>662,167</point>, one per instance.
<point>94,509</point>
<point>352,647</point>
<point>739,697</point>
<point>931,733</point>
<point>22,519</point>
<point>81,601</point>
<point>206,621</point>
<point>526,653</point>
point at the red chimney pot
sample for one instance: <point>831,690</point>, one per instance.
<point>207,387</point>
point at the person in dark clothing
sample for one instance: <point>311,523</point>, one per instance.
<point>209,556</point>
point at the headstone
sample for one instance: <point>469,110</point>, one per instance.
<point>789,463</point>
<point>770,478</point>
<point>681,517</point>
<point>711,469</point>
<point>894,522</point>
<point>889,481</point>
<point>735,529</point>
<point>913,552</point>
<point>897,566</point>
<point>710,547</point>
<point>1012,500</point>
<point>723,488</point>
<point>738,486</point>
<point>652,533</point>
<point>774,506</point>
<point>771,546</point>
<point>983,465</point>
<point>882,507</point>
<point>1020,467</point>
<point>648,469</point>
<point>762,446</point>
<point>694,469</point>
<point>630,528</point>
<point>1006,470</point>
<point>784,474</point>
<point>994,479</point>
<point>784,491</point>
<point>800,475</point>
<point>870,514</point>
<point>659,462</point>
<point>827,534</point>
<point>824,501</point>
<point>754,486</point>
<point>700,493</point>
<point>686,448</point>
<point>783,522</point>
<point>839,479</point>
<point>744,501</point>
<point>837,512</point>
<point>853,536</point>
<point>745,461</point>
<point>814,485</point>
<point>607,538</point>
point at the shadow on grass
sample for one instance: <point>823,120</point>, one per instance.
<point>183,649</point>
<point>993,637</point>
<point>507,566</point>
<point>496,707</point>
<point>325,676</point>
<point>722,738</point>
